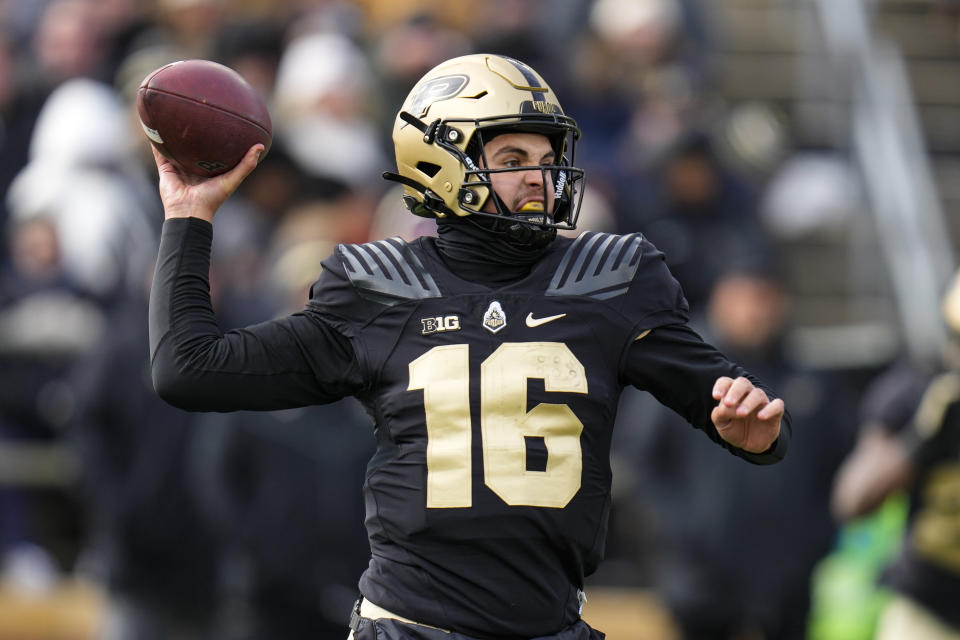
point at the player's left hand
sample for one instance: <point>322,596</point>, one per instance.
<point>744,416</point>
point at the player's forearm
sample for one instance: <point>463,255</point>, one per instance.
<point>680,369</point>
<point>181,288</point>
<point>180,307</point>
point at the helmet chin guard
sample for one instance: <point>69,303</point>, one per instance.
<point>441,130</point>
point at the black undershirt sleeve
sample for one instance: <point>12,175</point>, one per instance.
<point>679,369</point>
<point>293,361</point>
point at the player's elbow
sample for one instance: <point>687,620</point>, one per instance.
<point>174,387</point>
<point>168,387</point>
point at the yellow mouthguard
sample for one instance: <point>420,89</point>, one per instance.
<point>533,205</point>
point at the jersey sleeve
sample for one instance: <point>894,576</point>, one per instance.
<point>679,369</point>
<point>294,361</point>
<point>360,285</point>
<point>655,297</point>
<point>334,300</point>
<point>360,282</point>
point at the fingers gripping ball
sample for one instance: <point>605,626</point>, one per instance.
<point>202,115</point>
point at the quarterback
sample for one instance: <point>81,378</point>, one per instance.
<point>491,359</point>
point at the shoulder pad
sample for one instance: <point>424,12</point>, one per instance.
<point>941,393</point>
<point>598,265</point>
<point>387,271</point>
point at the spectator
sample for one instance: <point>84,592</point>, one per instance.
<point>20,103</point>
<point>323,109</point>
<point>703,215</point>
<point>82,176</point>
<point>46,323</point>
<point>69,42</point>
<point>910,441</point>
<point>409,48</point>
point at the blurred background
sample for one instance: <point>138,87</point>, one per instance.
<point>798,161</point>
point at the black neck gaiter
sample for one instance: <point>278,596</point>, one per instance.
<point>481,255</point>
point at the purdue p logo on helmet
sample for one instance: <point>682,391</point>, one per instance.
<point>448,116</point>
<point>426,93</point>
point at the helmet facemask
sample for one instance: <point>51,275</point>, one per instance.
<point>561,181</point>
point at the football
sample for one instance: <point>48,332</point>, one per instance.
<point>202,115</point>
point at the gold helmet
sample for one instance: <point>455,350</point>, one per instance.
<point>441,129</point>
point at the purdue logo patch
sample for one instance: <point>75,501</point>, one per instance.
<point>494,319</point>
<point>440,323</point>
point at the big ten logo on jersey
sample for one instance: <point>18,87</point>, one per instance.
<point>440,323</point>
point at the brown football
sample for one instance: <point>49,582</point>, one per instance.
<point>202,115</point>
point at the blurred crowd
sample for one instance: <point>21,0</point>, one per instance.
<point>251,525</point>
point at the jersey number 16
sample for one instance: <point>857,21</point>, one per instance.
<point>443,375</point>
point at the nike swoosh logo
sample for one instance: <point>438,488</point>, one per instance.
<point>536,322</point>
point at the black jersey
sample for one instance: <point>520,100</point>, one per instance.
<point>487,497</point>
<point>928,567</point>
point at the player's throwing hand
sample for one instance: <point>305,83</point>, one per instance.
<point>744,416</point>
<point>184,195</point>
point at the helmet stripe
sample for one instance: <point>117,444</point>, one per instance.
<point>529,76</point>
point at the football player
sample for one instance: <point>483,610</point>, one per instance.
<point>910,442</point>
<point>491,359</point>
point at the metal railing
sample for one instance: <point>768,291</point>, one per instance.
<point>887,146</point>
